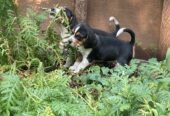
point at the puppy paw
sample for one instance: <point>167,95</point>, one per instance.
<point>72,68</point>
<point>66,65</point>
<point>76,71</point>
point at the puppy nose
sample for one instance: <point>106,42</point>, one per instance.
<point>52,9</point>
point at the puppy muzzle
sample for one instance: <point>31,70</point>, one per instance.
<point>53,12</point>
<point>74,42</point>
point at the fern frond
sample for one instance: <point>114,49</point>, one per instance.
<point>11,92</point>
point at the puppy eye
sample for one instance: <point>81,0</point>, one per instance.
<point>78,37</point>
<point>78,33</point>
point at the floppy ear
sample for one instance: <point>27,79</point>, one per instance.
<point>90,41</point>
<point>90,34</point>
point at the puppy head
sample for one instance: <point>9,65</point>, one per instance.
<point>53,12</point>
<point>69,13</point>
<point>82,35</point>
<point>71,18</point>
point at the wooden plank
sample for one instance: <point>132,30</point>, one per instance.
<point>81,9</point>
<point>164,42</point>
<point>143,16</point>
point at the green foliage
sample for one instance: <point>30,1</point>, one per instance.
<point>22,42</point>
<point>11,94</point>
<point>100,91</point>
<point>168,59</point>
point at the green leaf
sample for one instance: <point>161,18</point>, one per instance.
<point>124,107</point>
<point>168,59</point>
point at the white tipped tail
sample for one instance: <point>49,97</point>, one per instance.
<point>132,34</point>
<point>120,31</point>
<point>113,19</point>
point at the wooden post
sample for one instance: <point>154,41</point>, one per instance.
<point>164,42</point>
<point>81,9</point>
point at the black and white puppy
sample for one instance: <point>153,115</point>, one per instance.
<point>73,22</point>
<point>94,47</point>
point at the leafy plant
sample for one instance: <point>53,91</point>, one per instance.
<point>168,58</point>
<point>22,42</point>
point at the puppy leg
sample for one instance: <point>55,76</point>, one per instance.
<point>76,63</point>
<point>122,61</point>
<point>69,62</point>
<point>82,65</point>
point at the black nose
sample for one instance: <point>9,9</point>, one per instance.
<point>69,41</point>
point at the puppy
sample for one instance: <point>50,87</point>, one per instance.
<point>94,47</point>
<point>73,22</point>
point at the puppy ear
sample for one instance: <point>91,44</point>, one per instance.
<point>90,34</point>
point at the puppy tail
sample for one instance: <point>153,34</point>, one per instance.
<point>132,34</point>
<point>112,19</point>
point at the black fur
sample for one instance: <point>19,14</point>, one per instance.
<point>105,48</point>
<point>72,18</point>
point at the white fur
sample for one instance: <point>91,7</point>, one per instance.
<point>56,11</point>
<point>112,18</point>
<point>77,28</point>
<point>65,38</point>
<point>84,52</point>
<point>69,62</point>
<point>61,45</point>
<point>73,40</point>
<point>84,63</point>
<point>120,31</point>
<point>64,33</point>
<point>75,65</point>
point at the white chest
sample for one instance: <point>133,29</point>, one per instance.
<point>84,52</point>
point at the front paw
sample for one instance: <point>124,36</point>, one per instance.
<point>72,68</point>
<point>76,71</point>
<point>66,65</point>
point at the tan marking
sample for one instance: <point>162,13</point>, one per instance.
<point>77,43</point>
<point>77,33</point>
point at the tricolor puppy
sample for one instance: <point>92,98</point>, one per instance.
<point>53,13</point>
<point>94,47</point>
